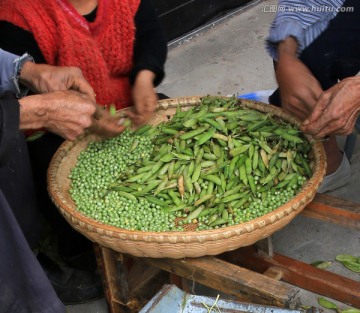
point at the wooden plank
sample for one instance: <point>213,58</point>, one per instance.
<point>231,279</point>
<point>299,274</point>
<point>114,279</point>
<point>334,210</point>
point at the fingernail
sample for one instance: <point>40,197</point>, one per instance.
<point>121,121</point>
<point>305,122</point>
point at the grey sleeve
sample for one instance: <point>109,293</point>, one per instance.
<point>7,72</point>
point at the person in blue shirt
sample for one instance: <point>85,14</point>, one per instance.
<point>314,45</point>
<point>64,103</point>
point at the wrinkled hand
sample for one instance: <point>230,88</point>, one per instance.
<point>299,89</point>
<point>336,111</point>
<point>66,113</point>
<point>106,125</point>
<point>42,78</point>
<point>144,98</point>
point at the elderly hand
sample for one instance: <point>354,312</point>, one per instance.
<point>65,113</point>
<point>144,98</point>
<point>336,110</point>
<point>106,125</point>
<point>42,78</point>
<point>299,89</point>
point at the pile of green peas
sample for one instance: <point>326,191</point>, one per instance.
<point>104,165</point>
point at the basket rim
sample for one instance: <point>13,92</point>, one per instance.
<point>302,198</point>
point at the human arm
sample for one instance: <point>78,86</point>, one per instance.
<point>150,52</point>
<point>304,20</point>
<point>299,89</point>
<point>336,110</point>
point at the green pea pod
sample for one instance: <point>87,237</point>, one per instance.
<point>112,110</point>
<point>346,257</point>
<point>196,174</point>
<point>145,168</point>
<point>174,197</point>
<point>194,214</point>
<point>257,125</point>
<point>251,117</point>
<point>255,160</point>
<point>35,136</point>
<point>252,184</point>
<point>351,310</point>
<point>285,135</point>
<point>233,164</point>
<point>203,199</point>
<point>214,179</point>
<point>352,266</point>
<point>232,191</point>
<point>216,150</point>
<point>169,209</point>
<point>210,188</point>
<point>321,264</point>
<point>199,156</point>
<point>152,185</point>
<point>327,304</point>
<point>205,137</point>
<point>210,156</point>
<point>171,169</point>
<point>169,131</point>
<point>127,195</point>
<point>190,123</point>
<point>141,130</point>
<point>248,166</point>
<point>238,150</point>
<point>182,156</point>
<point>120,188</point>
<point>221,137</point>
<point>234,197</point>
<point>191,168</point>
<point>218,222</point>
<point>137,177</point>
<point>155,200</point>
<point>167,157</point>
<point>212,123</point>
<point>193,133</point>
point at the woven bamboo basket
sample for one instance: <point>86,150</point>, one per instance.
<point>177,244</point>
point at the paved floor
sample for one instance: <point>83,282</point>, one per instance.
<point>228,57</point>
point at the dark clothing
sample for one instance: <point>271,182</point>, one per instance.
<point>149,53</point>
<point>24,286</point>
<point>335,54</point>
<point>16,180</point>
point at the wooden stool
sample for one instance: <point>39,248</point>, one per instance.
<point>248,274</point>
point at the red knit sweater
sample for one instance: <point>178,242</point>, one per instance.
<point>102,49</point>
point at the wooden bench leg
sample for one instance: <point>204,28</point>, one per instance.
<point>128,282</point>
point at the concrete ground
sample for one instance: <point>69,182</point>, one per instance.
<point>228,57</point>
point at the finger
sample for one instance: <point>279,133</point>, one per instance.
<point>98,113</point>
<point>84,88</point>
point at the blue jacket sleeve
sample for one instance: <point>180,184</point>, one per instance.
<point>7,72</point>
<point>305,20</point>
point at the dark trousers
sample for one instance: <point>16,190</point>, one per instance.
<point>24,286</point>
<point>335,54</point>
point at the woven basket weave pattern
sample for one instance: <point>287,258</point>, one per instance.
<point>177,244</point>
